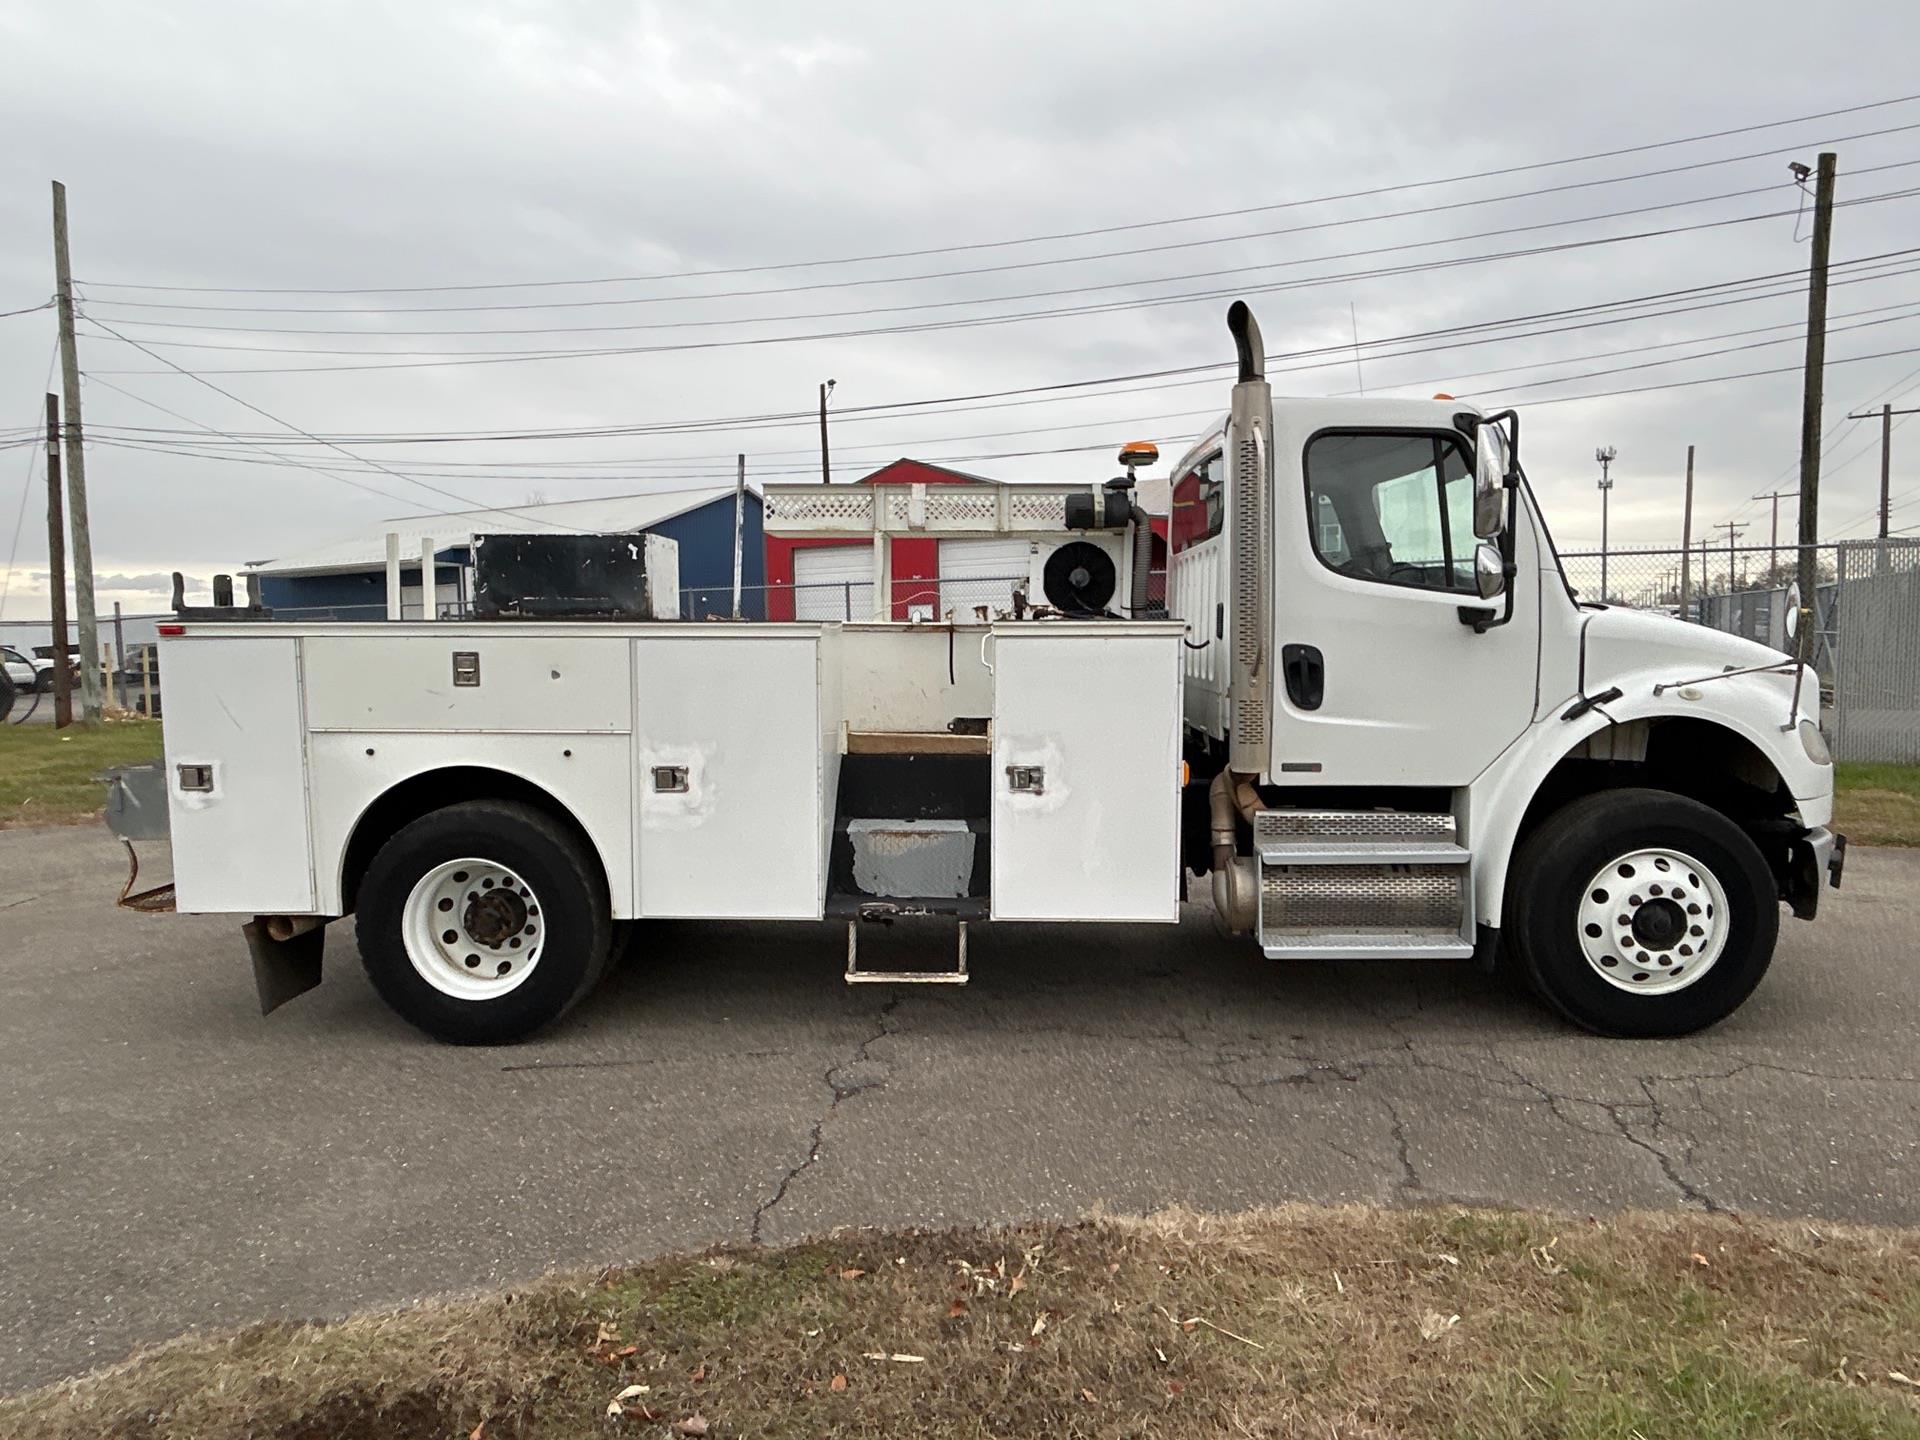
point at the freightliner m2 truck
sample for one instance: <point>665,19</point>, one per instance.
<point>1367,719</point>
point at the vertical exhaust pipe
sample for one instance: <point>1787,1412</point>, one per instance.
<point>1250,468</point>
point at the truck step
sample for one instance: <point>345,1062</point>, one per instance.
<point>857,976</point>
<point>1336,911</point>
<point>1366,945</point>
<point>1356,837</point>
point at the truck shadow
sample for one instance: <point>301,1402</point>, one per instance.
<point>1117,979</point>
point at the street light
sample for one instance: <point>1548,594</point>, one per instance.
<point>1605,455</point>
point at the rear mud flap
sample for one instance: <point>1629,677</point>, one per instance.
<point>283,969</point>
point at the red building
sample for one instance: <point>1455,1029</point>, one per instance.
<point>832,578</point>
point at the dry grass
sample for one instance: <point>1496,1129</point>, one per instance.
<point>47,775</point>
<point>1877,804</point>
<point>1297,1322</point>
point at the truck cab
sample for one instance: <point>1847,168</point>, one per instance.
<point>1417,740</point>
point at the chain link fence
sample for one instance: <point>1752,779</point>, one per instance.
<point>1876,689</point>
<point>1744,590</point>
<point>1866,620</point>
<point>967,599</point>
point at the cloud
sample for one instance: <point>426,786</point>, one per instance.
<point>439,144</point>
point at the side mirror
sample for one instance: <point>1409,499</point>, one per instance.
<point>1492,463</point>
<point>1489,569</point>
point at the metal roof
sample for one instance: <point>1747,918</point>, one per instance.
<point>367,550</point>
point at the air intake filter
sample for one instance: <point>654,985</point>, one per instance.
<point>1079,578</point>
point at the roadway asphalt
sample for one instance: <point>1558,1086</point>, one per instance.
<point>169,1159</point>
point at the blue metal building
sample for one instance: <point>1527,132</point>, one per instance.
<point>348,580</point>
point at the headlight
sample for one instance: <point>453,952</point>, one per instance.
<point>1815,743</point>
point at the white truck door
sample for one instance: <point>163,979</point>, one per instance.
<point>1378,680</point>
<point>1094,708</point>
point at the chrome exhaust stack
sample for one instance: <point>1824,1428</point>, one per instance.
<point>1250,468</point>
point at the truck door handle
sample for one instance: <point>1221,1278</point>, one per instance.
<point>1306,674</point>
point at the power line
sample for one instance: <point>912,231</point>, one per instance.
<point>1910,309</point>
<point>20,516</point>
<point>937,304</point>
<point>1592,315</point>
<point>397,474</point>
<point>986,270</point>
<point>1031,239</point>
<point>467,358</point>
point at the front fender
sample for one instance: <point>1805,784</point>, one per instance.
<point>1752,707</point>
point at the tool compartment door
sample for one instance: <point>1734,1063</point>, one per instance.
<point>1096,707</point>
<point>233,706</point>
<point>730,772</point>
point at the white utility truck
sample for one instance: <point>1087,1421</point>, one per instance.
<point>1370,714</point>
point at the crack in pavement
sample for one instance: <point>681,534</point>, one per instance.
<point>1409,1177</point>
<point>817,1134</point>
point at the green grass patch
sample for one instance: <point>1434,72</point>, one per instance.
<point>1352,1323</point>
<point>47,776</point>
<point>1877,804</point>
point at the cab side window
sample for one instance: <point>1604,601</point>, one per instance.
<point>1395,508</point>
<point>1199,504</point>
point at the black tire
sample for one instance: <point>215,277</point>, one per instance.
<point>6,695</point>
<point>43,681</point>
<point>1547,886</point>
<point>572,896</point>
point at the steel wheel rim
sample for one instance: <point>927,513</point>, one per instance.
<point>473,929</point>
<point>1653,921</point>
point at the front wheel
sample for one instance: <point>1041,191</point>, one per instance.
<point>1642,913</point>
<point>482,922</point>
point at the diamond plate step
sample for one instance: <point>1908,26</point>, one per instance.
<point>1366,945</point>
<point>1356,837</point>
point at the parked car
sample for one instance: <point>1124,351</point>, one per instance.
<point>28,672</point>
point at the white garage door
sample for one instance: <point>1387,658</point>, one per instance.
<point>833,582</point>
<point>981,572</point>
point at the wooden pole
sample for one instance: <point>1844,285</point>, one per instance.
<point>826,471</point>
<point>1813,395</point>
<point>57,570</point>
<point>76,464</point>
<point>739,526</point>
<point>1886,465</point>
<point>1686,536</point>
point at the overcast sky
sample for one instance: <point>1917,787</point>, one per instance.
<point>273,146</point>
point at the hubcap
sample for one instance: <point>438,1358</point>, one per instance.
<point>1653,921</point>
<point>473,929</point>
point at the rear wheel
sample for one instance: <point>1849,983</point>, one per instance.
<point>482,922</point>
<point>1642,913</point>
<point>43,682</point>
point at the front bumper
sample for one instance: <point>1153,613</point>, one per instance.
<point>1817,859</point>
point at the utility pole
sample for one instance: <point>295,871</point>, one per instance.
<point>1815,384</point>
<point>57,571</point>
<point>1886,412</point>
<point>76,467</point>
<point>1731,529</point>
<point>1686,536</point>
<point>739,524</point>
<point>826,472</point>
<point>1773,547</point>
<point>1605,455</point>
